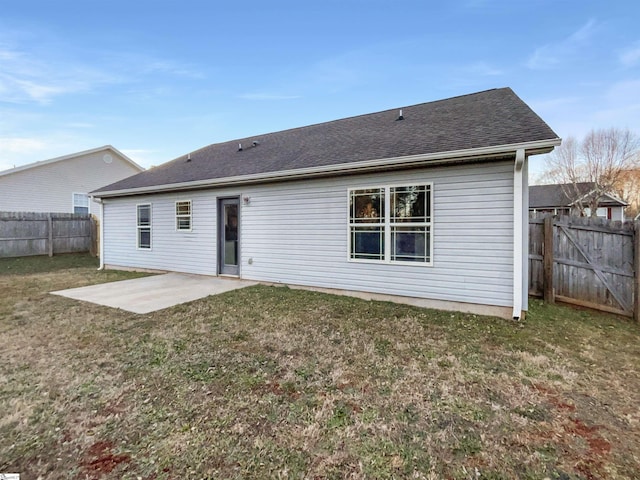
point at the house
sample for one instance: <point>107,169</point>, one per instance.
<point>562,199</point>
<point>427,202</point>
<point>62,184</point>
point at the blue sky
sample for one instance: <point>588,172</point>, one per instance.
<point>157,79</point>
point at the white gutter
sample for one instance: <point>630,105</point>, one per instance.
<point>518,233</point>
<point>439,158</point>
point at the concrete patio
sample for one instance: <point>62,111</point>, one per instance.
<point>148,294</point>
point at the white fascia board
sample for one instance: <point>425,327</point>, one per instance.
<point>439,158</point>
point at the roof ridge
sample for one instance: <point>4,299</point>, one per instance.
<point>489,120</point>
<point>362,115</point>
<point>68,156</point>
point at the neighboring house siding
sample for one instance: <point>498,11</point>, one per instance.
<point>50,187</point>
<point>617,214</point>
<point>296,232</point>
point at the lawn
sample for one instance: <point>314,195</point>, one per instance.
<point>270,382</point>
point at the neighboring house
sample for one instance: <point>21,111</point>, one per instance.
<point>62,184</point>
<point>428,201</point>
<point>559,199</point>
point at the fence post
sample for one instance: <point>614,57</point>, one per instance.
<point>636,271</point>
<point>547,259</point>
<point>93,249</point>
<point>50,228</point>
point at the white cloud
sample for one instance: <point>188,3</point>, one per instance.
<point>552,104</point>
<point>630,56</point>
<point>172,68</point>
<point>553,54</point>
<point>31,78</point>
<point>79,125</point>
<point>267,96</point>
<point>16,149</point>
<point>484,69</point>
<point>39,75</point>
<point>625,92</point>
<point>613,105</point>
<point>144,157</point>
<point>11,145</point>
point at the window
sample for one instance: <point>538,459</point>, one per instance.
<point>81,203</point>
<point>183,215</point>
<point>144,226</point>
<point>391,224</point>
<point>366,223</point>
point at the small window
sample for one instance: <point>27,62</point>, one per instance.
<point>81,203</point>
<point>144,226</point>
<point>183,215</point>
<point>391,224</point>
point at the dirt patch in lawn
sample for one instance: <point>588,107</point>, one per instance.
<point>268,382</point>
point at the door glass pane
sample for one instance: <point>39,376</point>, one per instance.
<point>231,234</point>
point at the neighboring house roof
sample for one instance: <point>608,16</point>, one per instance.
<point>477,124</point>
<point>69,157</point>
<point>558,195</point>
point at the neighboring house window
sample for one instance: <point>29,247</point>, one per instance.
<point>81,203</point>
<point>183,215</point>
<point>391,224</point>
<point>144,226</point>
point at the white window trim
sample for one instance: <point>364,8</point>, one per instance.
<point>150,227</point>
<point>190,216</point>
<point>73,202</point>
<point>387,224</point>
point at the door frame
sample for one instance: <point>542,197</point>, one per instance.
<point>222,268</point>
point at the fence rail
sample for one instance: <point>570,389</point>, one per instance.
<point>586,261</point>
<point>33,233</point>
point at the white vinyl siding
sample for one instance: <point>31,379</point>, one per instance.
<point>297,233</point>
<point>172,249</point>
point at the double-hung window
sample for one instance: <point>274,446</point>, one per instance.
<point>144,226</point>
<point>81,203</point>
<point>366,223</point>
<point>183,215</point>
<point>391,224</point>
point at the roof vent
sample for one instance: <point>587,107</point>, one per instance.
<point>255,143</point>
<point>239,147</point>
<point>400,117</point>
<point>188,157</point>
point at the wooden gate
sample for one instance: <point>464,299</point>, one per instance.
<point>585,261</point>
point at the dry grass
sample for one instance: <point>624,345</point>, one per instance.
<point>268,382</point>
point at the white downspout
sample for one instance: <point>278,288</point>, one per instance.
<point>101,242</point>
<point>518,236</point>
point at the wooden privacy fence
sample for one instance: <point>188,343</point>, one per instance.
<point>32,233</point>
<point>585,261</point>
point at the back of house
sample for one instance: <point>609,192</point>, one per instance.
<point>425,202</point>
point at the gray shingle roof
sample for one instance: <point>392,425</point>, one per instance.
<point>485,119</point>
<point>562,195</point>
